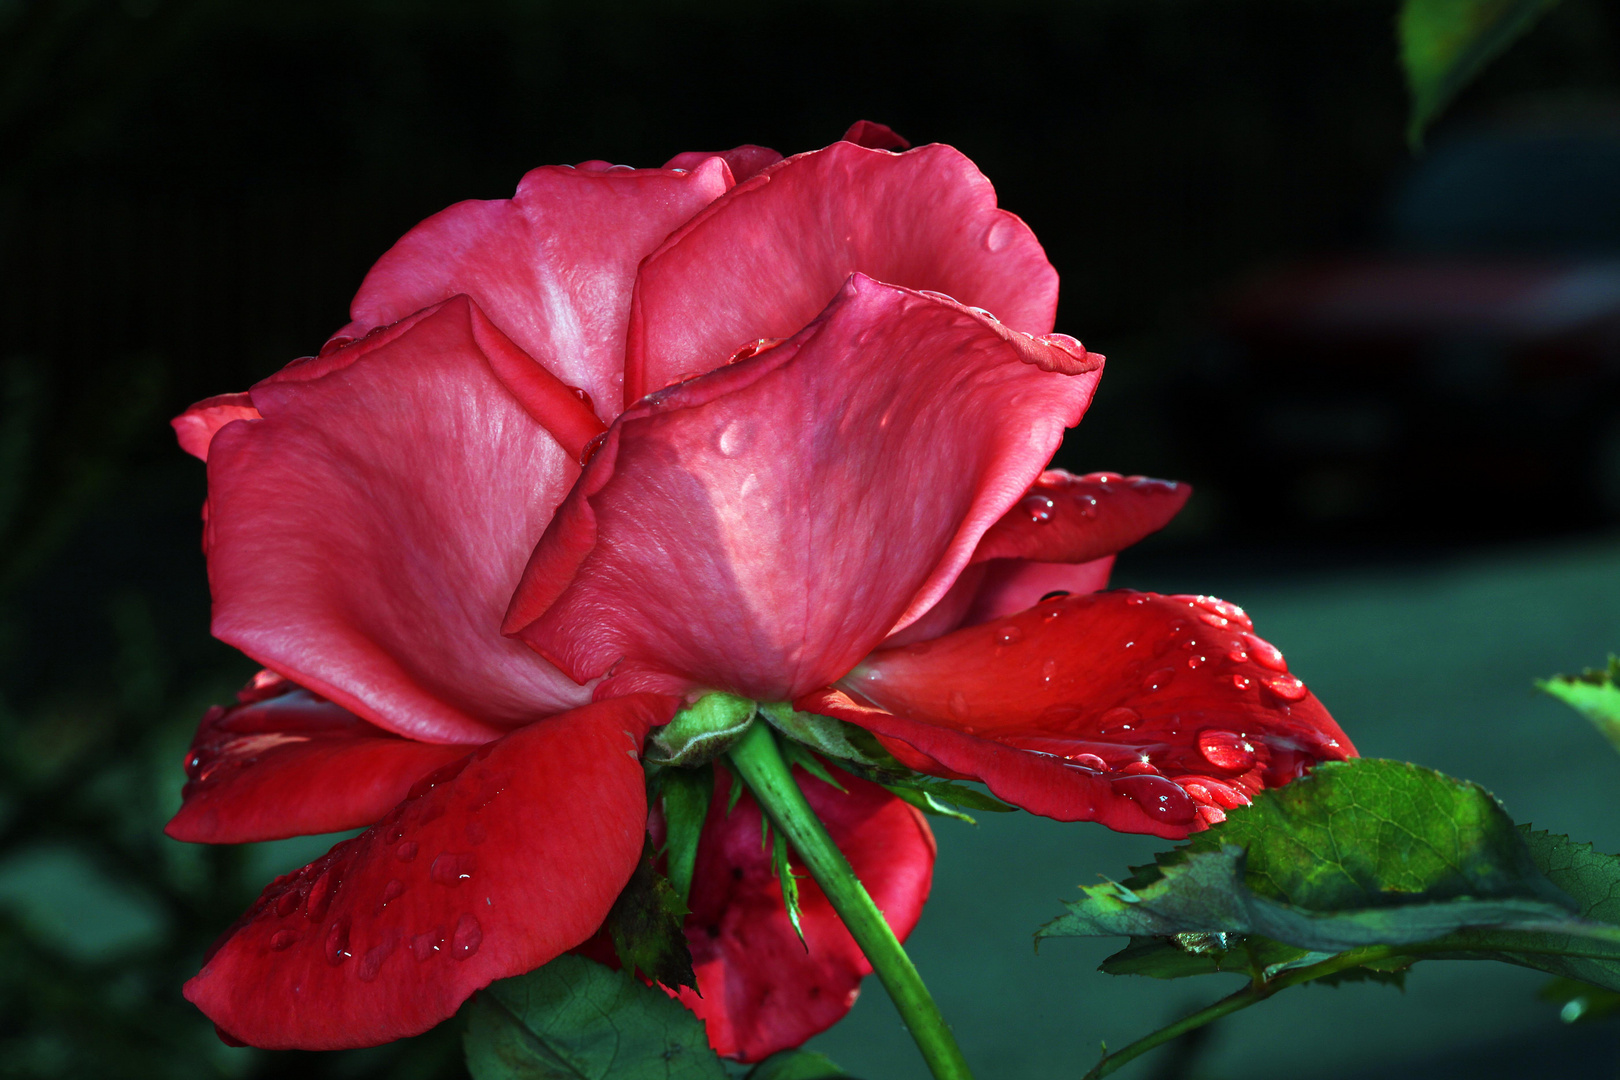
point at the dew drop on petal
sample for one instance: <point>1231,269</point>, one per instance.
<point>1158,680</point>
<point>1048,669</point>
<point>1212,815</point>
<point>288,902</point>
<point>1038,508</point>
<point>1286,687</point>
<point>1265,653</point>
<point>999,234</point>
<point>583,396</point>
<point>957,704</point>
<point>1120,718</point>
<point>1136,599</point>
<point>1160,799</point>
<point>282,940</point>
<point>372,962</point>
<point>468,936</point>
<point>1139,768</point>
<point>426,945</point>
<point>337,942</point>
<point>1087,505</point>
<point>590,448</point>
<point>391,892</point>
<point>736,437</point>
<point>452,867</point>
<point>406,851</point>
<point>1237,656</point>
<point>1217,621</point>
<point>1195,662</point>
<point>320,897</point>
<point>1242,682</point>
<point>1226,750</point>
<point>1089,761</point>
<point>1009,635</point>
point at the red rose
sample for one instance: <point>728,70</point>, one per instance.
<point>774,427</point>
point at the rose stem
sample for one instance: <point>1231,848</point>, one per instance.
<point>760,763</point>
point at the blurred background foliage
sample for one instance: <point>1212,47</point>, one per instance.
<point>190,190</point>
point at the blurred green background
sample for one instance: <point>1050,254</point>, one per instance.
<point>191,191</point>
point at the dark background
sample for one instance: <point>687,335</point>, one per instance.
<point>190,192</point>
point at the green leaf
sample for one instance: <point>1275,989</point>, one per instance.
<point>927,802</point>
<point>1594,694</point>
<point>1360,853</point>
<point>702,731</point>
<point>646,926</point>
<point>686,794</point>
<point>1445,44</point>
<point>796,1065</point>
<point>577,1020</point>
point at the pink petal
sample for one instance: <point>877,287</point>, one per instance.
<point>764,990</point>
<point>1068,518</point>
<point>744,161</point>
<point>1148,713</point>
<point>876,136</point>
<point>762,528</point>
<point>1011,585</point>
<point>492,866</point>
<point>293,764</point>
<point>765,259</point>
<point>552,266</point>
<point>364,537</point>
<point>195,427</point>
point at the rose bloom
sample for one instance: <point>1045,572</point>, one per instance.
<point>770,426</point>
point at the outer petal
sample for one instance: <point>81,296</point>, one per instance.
<point>762,528</point>
<point>552,266</point>
<point>762,261</point>
<point>365,536</point>
<point>744,161</point>
<point>494,865</point>
<point>877,136</point>
<point>195,428</point>
<point>762,989</point>
<point>1148,713</point>
<point>1068,518</point>
<point>289,763</point>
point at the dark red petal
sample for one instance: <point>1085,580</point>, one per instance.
<point>744,161</point>
<point>195,427</point>
<point>876,136</point>
<point>1088,707</point>
<point>763,260</point>
<point>552,266</point>
<point>762,989</point>
<point>1068,518</point>
<point>366,534</point>
<point>492,866</point>
<point>762,528</point>
<point>292,764</point>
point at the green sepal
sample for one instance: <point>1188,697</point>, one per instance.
<point>686,794</point>
<point>702,731</point>
<point>1594,693</point>
<point>789,881</point>
<point>796,753</point>
<point>1445,44</point>
<point>796,1065</point>
<point>646,925</point>
<point>927,803</point>
<point>575,1019</point>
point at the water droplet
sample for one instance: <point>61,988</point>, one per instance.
<point>999,234</point>
<point>590,448</point>
<point>1140,768</point>
<point>337,942</point>
<point>1087,505</point>
<point>425,945</point>
<point>983,314</point>
<point>1226,750</point>
<point>1212,815</point>
<point>736,437</point>
<point>406,851</point>
<point>391,892</point>
<point>1237,656</point>
<point>1120,718</point>
<point>1265,653</point>
<point>1195,661</point>
<point>1089,761</point>
<point>1286,687</point>
<point>1048,669</point>
<point>320,897</point>
<point>1038,508</point>
<point>1217,621</point>
<point>1159,798</point>
<point>957,704</point>
<point>1136,599</point>
<point>372,962</point>
<point>1158,680</point>
<point>469,935</point>
<point>1054,594</point>
<point>1242,682</point>
<point>1009,635</point>
<point>288,902</point>
<point>1051,613</point>
<point>583,396</point>
<point>452,867</point>
<point>282,940</point>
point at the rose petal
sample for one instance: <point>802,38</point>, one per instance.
<point>762,989</point>
<point>1082,707</point>
<point>195,427</point>
<point>876,136</point>
<point>762,528</point>
<point>366,534</point>
<point>1068,518</point>
<point>292,764</point>
<point>552,266</point>
<point>762,261</point>
<point>1011,585</point>
<point>497,863</point>
<point>744,161</point>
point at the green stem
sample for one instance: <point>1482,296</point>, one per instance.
<point>760,763</point>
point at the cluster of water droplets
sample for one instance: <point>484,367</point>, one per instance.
<point>1058,494</point>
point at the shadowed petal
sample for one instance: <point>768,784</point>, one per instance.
<point>764,260</point>
<point>289,763</point>
<point>365,536</point>
<point>1068,518</point>
<point>195,428</point>
<point>493,865</point>
<point>1148,713</point>
<point>762,528</point>
<point>552,266</point>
